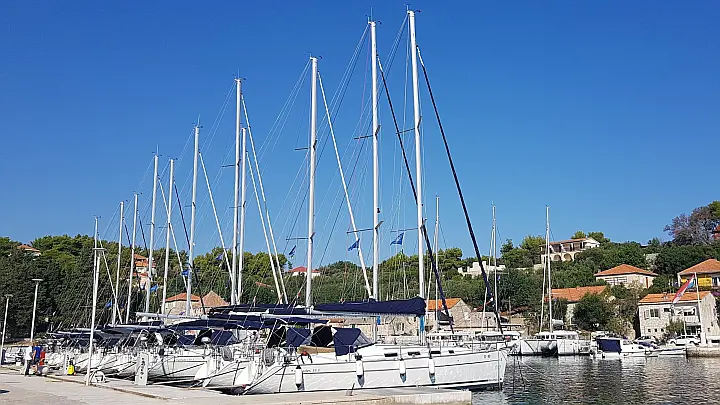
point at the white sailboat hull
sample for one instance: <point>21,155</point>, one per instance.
<point>182,365</point>
<point>463,368</point>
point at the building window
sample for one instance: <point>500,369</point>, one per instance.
<point>716,281</point>
<point>652,313</point>
<point>655,330</point>
<point>688,311</point>
<point>666,309</point>
<point>649,330</point>
<point>662,330</point>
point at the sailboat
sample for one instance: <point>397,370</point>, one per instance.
<point>551,342</point>
<point>331,359</point>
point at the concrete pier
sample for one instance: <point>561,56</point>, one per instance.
<point>54,389</point>
<point>703,351</point>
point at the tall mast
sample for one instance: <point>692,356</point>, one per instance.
<point>152,237</point>
<point>96,277</point>
<point>168,234</point>
<point>241,245</point>
<point>493,242</point>
<point>418,157</point>
<point>311,200</point>
<point>437,255</point>
<point>376,172</point>
<point>188,292</point>
<point>547,261</point>
<point>116,290</point>
<point>233,274</point>
<point>132,260</point>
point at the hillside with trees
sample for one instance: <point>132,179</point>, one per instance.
<point>66,265</point>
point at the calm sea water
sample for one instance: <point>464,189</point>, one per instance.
<point>581,380</point>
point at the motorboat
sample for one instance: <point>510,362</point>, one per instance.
<point>615,347</point>
<point>555,343</point>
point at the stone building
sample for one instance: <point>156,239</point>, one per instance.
<point>696,310</point>
<point>627,275</point>
<point>565,250</point>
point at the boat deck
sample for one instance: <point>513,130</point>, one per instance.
<point>61,389</point>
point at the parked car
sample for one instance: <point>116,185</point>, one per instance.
<point>685,340</point>
<point>646,340</point>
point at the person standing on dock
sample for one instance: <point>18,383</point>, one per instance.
<point>28,357</point>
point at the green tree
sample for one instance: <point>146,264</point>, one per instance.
<point>696,228</point>
<point>599,236</point>
<point>534,246</point>
<point>517,258</point>
<point>579,235</point>
<point>593,312</point>
<point>506,247</point>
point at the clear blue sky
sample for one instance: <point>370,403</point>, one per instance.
<point>607,112</point>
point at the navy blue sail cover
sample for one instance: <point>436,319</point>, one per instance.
<point>297,337</point>
<point>348,340</point>
<point>413,306</point>
<point>278,309</point>
<point>611,345</point>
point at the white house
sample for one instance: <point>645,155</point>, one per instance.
<point>657,310</point>
<point>565,250</point>
<point>627,275</point>
<point>302,270</point>
<point>475,271</point>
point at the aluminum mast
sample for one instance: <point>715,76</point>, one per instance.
<point>152,237</point>
<point>116,290</point>
<point>168,234</point>
<point>311,200</point>
<point>188,292</point>
<point>234,277</point>
<point>132,259</point>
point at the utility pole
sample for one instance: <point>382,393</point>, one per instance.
<point>32,325</point>
<point>2,345</point>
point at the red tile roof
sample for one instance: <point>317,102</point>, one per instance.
<point>212,299</point>
<point>574,294</point>
<point>302,269</point>
<point>707,267</point>
<point>28,248</point>
<point>663,298</point>
<point>182,297</point>
<point>433,304</point>
<point>570,240</point>
<point>625,269</point>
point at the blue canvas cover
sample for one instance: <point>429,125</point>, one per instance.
<point>413,306</point>
<point>297,337</point>
<point>610,345</point>
<point>348,340</point>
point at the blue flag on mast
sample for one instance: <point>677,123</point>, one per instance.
<point>398,240</point>
<point>292,251</point>
<point>354,245</point>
